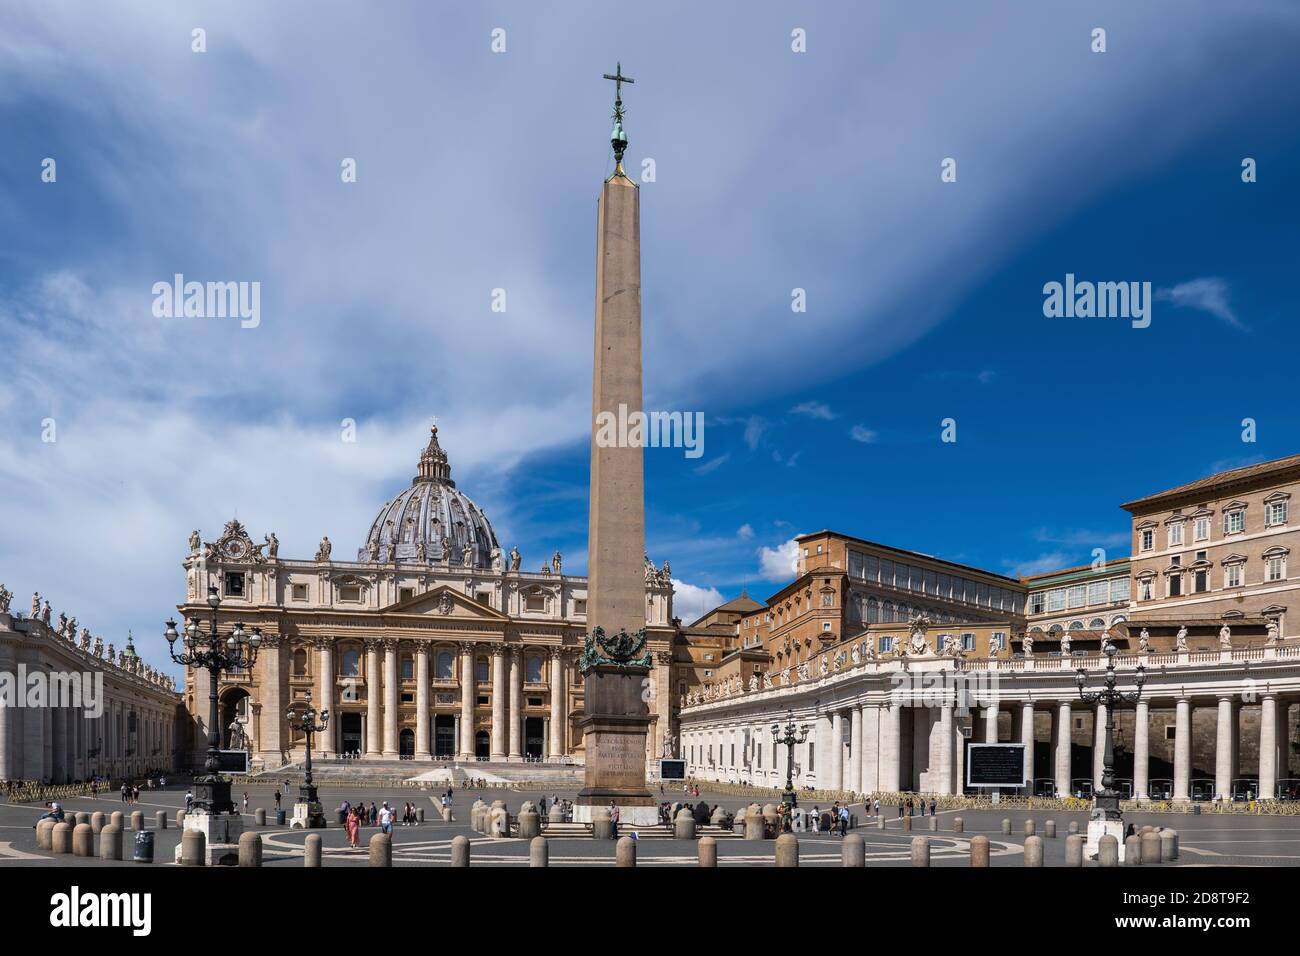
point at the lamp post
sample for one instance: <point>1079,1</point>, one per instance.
<point>790,736</point>
<point>1106,801</point>
<point>209,652</point>
<point>305,718</point>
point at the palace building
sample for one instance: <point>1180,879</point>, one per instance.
<point>431,644</point>
<point>897,660</point>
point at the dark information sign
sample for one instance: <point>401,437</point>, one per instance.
<point>672,769</point>
<point>995,765</point>
<point>233,761</point>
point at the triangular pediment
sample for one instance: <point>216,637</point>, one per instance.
<point>445,601</point>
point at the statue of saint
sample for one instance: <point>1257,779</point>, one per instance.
<point>1027,642</point>
<point>515,558</point>
<point>496,559</point>
<point>467,555</point>
<point>272,545</point>
<point>1225,637</point>
<point>5,597</point>
<point>1180,639</point>
<point>556,563</point>
<point>1144,641</point>
<point>36,605</point>
<point>45,613</point>
<point>323,552</point>
<point>195,541</point>
<point>1274,635</point>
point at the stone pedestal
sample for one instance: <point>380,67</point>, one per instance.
<point>1099,828</point>
<point>307,816</point>
<point>221,833</point>
<point>614,734</point>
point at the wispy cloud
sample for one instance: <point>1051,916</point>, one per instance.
<point>1207,294</point>
<point>818,410</point>
<point>863,434</point>
<point>1083,538</point>
<point>745,532</point>
<point>1052,561</point>
<point>712,465</point>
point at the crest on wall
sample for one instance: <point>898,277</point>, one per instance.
<point>618,650</point>
<point>234,545</point>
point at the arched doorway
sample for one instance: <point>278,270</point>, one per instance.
<point>482,746</point>
<point>236,719</point>
<point>406,743</point>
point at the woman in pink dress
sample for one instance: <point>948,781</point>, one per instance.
<point>353,824</point>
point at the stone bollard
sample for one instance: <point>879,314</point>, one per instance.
<point>180,819</point>
<point>979,850</point>
<point>110,842</point>
<point>625,852</point>
<point>259,816</point>
<point>311,850</point>
<point>530,824</point>
<point>1050,829</point>
<point>82,818</point>
<point>1168,846</point>
<point>98,820</point>
<point>602,828</point>
<point>1150,847</point>
<point>1133,850</point>
<point>160,820</point>
<point>459,851</point>
<point>934,823</point>
<point>555,814</point>
<point>193,848</point>
<point>920,851</point>
<point>381,849</point>
<point>880,821</point>
<point>1006,827</point>
<point>1146,829</point>
<point>538,853</point>
<point>61,838</point>
<point>446,814</point>
<point>907,824</point>
<point>83,840</point>
<point>684,825</point>
<point>499,823</point>
<point>787,850</point>
<point>753,824</point>
<point>854,851</point>
<point>1108,851</point>
<point>1029,828</point>
<point>1074,850</point>
<point>708,851</point>
<point>419,814</point>
<point>958,825</point>
<point>1033,851</point>
<point>1074,827</point>
<point>44,830</point>
<point>137,821</point>
<point>118,819</point>
<point>250,849</point>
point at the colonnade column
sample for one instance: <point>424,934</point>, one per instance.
<point>498,751</point>
<point>1098,745</point>
<point>870,779</point>
<point>855,751</point>
<point>422,700</point>
<point>468,693</point>
<point>516,703</point>
<point>1268,748</point>
<point>1182,749</point>
<point>8,750</point>
<point>558,692</point>
<point>837,751</point>
<point>1224,747</point>
<point>1063,749</point>
<point>390,698</point>
<point>890,763</point>
<point>991,724</point>
<point>325,667</point>
<point>272,739</point>
<point>1027,738</point>
<point>944,783</point>
<point>1141,749</point>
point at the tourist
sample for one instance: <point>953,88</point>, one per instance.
<point>816,819</point>
<point>386,818</point>
<point>900,809</point>
<point>53,811</point>
<point>277,799</point>
<point>613,818</point>
<point>353,825</point>
<point>922,802</point>
<point>933,805</point>
<point>245,801</point>
<point>844,821</point>
<point>541,806</point>
<point>374,814</point>
<point>189,800</point>
<point>876,807</point>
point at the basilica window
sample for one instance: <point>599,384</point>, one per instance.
<point>408,667</point>
<point>535,600</point>
<point>299,592</point>
<point>445,667</point>
<point>300,663</point>
<point>351,663</point>
<point>533,669</point>
<point>350,593</point>
<point>405,594</point>
<point>481,670</point>
<point>580,606</point>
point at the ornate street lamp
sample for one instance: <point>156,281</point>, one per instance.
<point>1106,802</point>
<point>305,718</point>
<point>209,652</point>
<point>790,736</point>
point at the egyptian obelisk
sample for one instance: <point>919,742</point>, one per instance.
<point>614,663</point>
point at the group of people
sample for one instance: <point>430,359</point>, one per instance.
<point>908,807</point>
<point>837,819</point>
<point>359,815</point>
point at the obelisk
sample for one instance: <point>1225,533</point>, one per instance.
<point>615,664</point>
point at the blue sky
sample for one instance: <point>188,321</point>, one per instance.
<point>774,170</point>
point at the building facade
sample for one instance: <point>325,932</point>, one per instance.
<point>430,645</point>
<point>72,709</point>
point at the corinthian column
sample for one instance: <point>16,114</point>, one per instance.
<point>516,701</point>
<point>325,665</point>
<point>1268,748</point>
<point>1141,750</point>
<point>557,748</point>
<point>1223,749</point>
<point>422,700</point>
<point>272,739</point>
<point>390,698</point>
<point>1064,742</point>
<point>468,691</point>
<point>374,741</point>
<point>1182,749</point>
<point>498,703</point>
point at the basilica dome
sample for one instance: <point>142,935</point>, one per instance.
<point>432,522</point>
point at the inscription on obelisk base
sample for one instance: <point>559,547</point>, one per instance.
<point>614,737</point>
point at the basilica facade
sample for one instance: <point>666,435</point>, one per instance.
<point>431,643</point>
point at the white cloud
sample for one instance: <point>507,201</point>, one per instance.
<point>1208,294</point>
<point>691,602</point>
<point>780,563</point>
<point>818,410</point>
<point>754,428</point>
<point>1054,561</point>
<point>863,434</point>
<point>712,465</point>
<point>745,532</point>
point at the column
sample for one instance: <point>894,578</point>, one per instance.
<point>468,693</point>
<point>1268,748</point>
<point>558,702</point>
<point>943,781</point>
<point>1098,746</point>
<point>837,751</point>
<point>8,750</point>
<point>1063,746</point>
<point>824,753</point>
<point>1182,749</point>
<point>391,748</point>
<point>1223,749</point>
<point>1141,750</point>
<point>59,743</point>
<point>325,668</point>
<point>374,740</point>
<point>272,704</point>
<point>959,773</point>
<point>1027,738</point>
<point>870,748</point>
<point>855,749</point>
<point>422,701</point>
<point>32,746</point>
<point>890,748</point>
<point>991,724</point>
<point>516,703</point>
<point>499,692</point>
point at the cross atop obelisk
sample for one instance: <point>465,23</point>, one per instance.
<point>618,139</point>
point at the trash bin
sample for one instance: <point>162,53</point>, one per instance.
<point>143,847</point>
<point>279,818</point>
<point>1196,809</point>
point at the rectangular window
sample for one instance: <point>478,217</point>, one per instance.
<point>1276,513</point>
<point>1234,521</point>
<point>1037,602</point>
<point>300,592</point>
<point>405,594</point>
<point>535,601</point>
<point>968,642</point>
<point>1275,569</point>
<point>350,593</point>
<point>887,572</point>
<point>828,600</point>
<point>886,644</point>
<point>733,755</point>
<point>580,606</point>
<point>998,641</point>
<point>1202,582</point>
<point>1077,595</point>
<point>812,764</point>
<point>1232,576</point>
<point>1144,590</point>
<point>1119,589</point>
<point>1098,592</point>
<point>484,598</point>
<point>1176,534</point>
<point>1056,599</point>
<point>1147,539</point>
<point>873,567</point>
<point>1202,529</point>
<point>1175,585</point>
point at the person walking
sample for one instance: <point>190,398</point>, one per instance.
<point>844,821</point>
<point>352,826</point>
<point>386,818</point>
<point>277,799</point>
<point>613,817</point>
<point>933,805</point>
<point>245,801</point>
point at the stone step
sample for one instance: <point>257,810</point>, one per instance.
<point>581,831</point>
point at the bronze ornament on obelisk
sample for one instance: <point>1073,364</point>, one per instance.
<point>615,663</point>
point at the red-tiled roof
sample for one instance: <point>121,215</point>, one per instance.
<point>1213,483</point>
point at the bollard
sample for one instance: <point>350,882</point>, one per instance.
<point>880,821</point>
<point>555,814</point>
<point>250,849</point>
<point>83,840</point>
<point>1074,850</point>
<point>98,820</point>
<point>160,820</point>
<point>958,825</point>
<point>530,824</point>
<point>1150,847</point>
<point>180,819</point>
<point>538,854</point>
<point>193,848</point>
<point>1133,851</point>
<point>1168,846</point>
<point>1050,827</point>
<point>753,824</point>
<point>625,852</point>
<point>137,821</point>
<point>459,851</point>
<point>1006,827</point>
<point>920,851</point>
<point>110,842</point>
<point>1033,851</point>
<point>381,849</point>
<point>143,852</point>
<point>787,850</point>
<point>44,830</point>
<point>684,825</point>
<point>907,824</point>
<point>1029,828</point>
<point>61,838</point>
<point>81,818</point>
<point>602,828</point>
<point>311,850</point>
<point>446,814</point>
<point>854,851</point>
<point>118,819</point>
<point>259,817</point>
<point>1108,851</point>
<point>1074,827</point>
<point>419,814</point>
<point>708,851</point>
<point>934,823</point>
<point>979,850</point>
